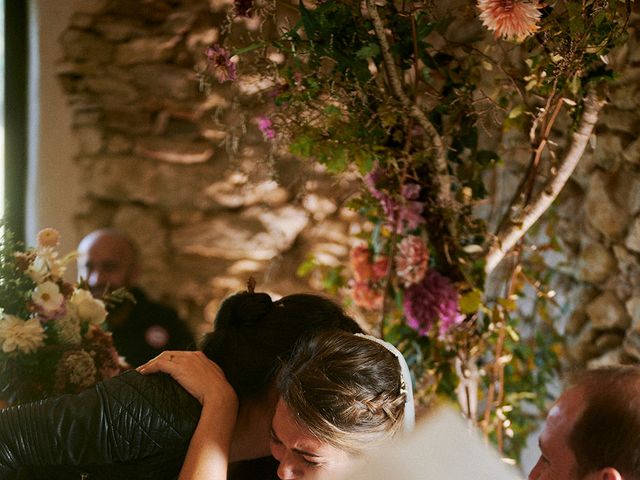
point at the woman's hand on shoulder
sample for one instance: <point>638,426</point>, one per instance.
<point>198,375</point>
<point>208,453</point>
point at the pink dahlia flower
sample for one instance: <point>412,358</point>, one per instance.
<point>220,65</point>
<point>411,260</point>
<point>434,301</point>
<point>510,19</point>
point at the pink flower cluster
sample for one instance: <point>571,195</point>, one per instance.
<point>432,302</point>
<point>265,125</point>
<point>401,214</point>
<point>367,277</point>
<point>220,65</point>
<point>411,260</point>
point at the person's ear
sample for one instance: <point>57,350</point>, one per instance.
<point>609,473</point>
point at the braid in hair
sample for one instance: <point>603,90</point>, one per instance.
<point>346,390</point>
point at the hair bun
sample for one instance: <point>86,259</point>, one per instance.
<point>243,309</point>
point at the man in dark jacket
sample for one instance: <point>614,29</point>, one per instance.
<point>107,260</point>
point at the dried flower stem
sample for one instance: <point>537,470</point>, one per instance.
<point>495,374</point>
<point>387,281</point>
<point>513,230</point>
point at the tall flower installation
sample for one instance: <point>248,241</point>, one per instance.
<point>52,333</point>
<point>427,109</point>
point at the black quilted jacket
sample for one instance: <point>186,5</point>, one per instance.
<point>128,427</point>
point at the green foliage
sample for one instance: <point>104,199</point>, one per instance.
<point>15,287</point>
<point>426,113</point>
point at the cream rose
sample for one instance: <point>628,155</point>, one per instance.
<point>88,309</point>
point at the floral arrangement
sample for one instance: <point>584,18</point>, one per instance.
<point>52,333</point>
<point>426,102</point>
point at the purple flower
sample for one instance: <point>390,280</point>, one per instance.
<point>410,191</point>
<point>434,301</point>
<point>403,214</point>
<point>371,181</point>
<point>266,127</point>
<point>220,65</point>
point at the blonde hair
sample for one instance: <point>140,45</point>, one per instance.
<point>345,390</point>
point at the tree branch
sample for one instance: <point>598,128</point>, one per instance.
<point>515,229</point>
<point>444,182</point>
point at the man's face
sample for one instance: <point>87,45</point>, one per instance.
<point>557,461</point>
<point>106,262</point>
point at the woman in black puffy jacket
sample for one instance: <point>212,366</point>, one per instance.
<point>139,427</point>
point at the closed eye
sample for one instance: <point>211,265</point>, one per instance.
<point>274,438</point>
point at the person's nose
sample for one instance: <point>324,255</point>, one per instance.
<point>287,470</point>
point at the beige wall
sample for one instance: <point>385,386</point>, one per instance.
<point>53,188</point>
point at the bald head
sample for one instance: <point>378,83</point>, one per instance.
<point>107,260</point>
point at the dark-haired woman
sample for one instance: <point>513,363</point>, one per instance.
<point>136,426</point>
<point>338,395</point>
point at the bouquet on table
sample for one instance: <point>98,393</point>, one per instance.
<point>52,333</point>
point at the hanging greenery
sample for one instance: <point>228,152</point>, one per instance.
<point>428,101</point>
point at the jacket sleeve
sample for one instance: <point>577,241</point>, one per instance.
<point>120,420</point>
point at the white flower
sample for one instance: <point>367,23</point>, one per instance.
<point>88,308</point>
<point>17,334</point>
<point>56,266</point>
<point>47,297</point>
<point>46,264</point>
<point>68,328</point>
<point>38,270</point>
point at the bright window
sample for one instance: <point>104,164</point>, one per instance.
<point>2,55</point>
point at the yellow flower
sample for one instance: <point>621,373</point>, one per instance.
<point>48,237</point>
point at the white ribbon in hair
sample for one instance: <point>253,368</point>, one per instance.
<point>409,407</point>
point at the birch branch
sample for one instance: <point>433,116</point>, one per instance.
<point>444,182</point>
<point>513,230</point>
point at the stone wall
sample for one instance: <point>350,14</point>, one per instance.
<point>600,227</point>
<point>158,161</point>
<point>190,177</point>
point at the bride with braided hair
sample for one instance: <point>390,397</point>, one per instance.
<point>338,395</point>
